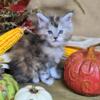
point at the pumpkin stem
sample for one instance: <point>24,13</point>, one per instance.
<point>33,90</point>
<point>91,54</point>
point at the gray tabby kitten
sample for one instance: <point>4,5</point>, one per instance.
<point>37,55</point>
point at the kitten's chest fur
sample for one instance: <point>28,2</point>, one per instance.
<point>54,53</point>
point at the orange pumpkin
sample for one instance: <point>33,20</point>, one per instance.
<point>82,72</point>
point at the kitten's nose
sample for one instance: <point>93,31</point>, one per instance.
<point>55,38</point>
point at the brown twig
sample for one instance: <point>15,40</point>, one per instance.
<point>79,5</point>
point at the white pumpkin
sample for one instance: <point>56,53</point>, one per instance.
<point>33,93</point>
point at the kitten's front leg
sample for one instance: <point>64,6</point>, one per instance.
<point>36,78</point>
<point>55,72</point>
<point>45,77</point>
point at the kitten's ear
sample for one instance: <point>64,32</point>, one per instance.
<point>42,20</point>
<point>67,21</point>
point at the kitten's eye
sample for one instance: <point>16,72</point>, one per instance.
<point>61,31</point>
<point>50,32</point>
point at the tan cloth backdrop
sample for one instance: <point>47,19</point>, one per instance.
<point>87,24</point>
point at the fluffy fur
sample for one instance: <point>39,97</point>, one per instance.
<point>37,55</point>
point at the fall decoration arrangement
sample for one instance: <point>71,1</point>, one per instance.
<point>13,13</point>
<point>81,71</point>
<point>13,20</point>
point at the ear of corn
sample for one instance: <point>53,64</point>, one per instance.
<point>8,39</point>
<point>68,50</point>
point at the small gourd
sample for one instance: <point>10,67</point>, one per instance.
<point>8,87</point>
<point>33,93</point>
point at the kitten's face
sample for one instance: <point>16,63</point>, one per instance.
<point>55,30</point>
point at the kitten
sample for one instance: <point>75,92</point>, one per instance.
<point>37,55</point>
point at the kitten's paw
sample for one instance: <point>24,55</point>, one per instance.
<point>45,78</point>
<point>55,73</point>
<point>48,81</point>
<point>36,80</point>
